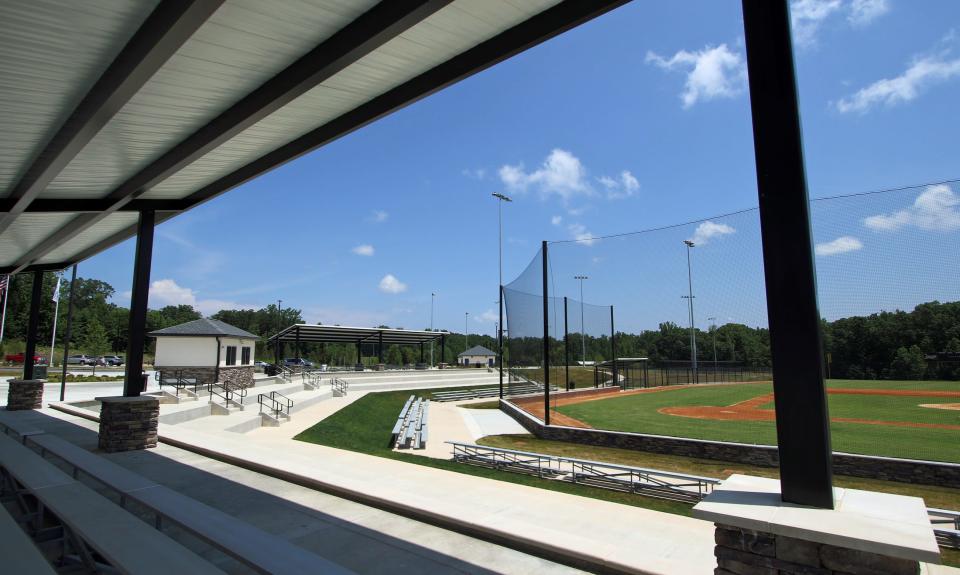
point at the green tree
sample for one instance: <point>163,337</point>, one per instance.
<point>908,363</point>
<point>95,339</point>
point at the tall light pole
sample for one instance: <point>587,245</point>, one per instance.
<point>499,329</point>
<point>713,330</point>
<point>693,334</point>
<point>432,295</point>
<point>466,329</point>
<point>583,330</point>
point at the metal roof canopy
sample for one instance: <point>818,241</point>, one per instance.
<point>308,333</point>
<point>112,107</point>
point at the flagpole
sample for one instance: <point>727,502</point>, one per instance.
<point>6,296</point>
<point>56,312</point>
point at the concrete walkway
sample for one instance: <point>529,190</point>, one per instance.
<point>484,422</point>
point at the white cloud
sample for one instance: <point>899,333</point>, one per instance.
<point>922,73</point>
<point>363,250</point>
<point>488,316</point>
<point>713,72</point>
<point>561,174</point>
<point>807,16</point>
<point>555,220</point>
<point>709,230</point>
<point>936,209</point>
<point>390,284</point>
<point>841,245</point>
<point>864,12</point>
<point>166,292</point>
<point>624,187</point>
<point>579,233</point>
<point>378,216</point>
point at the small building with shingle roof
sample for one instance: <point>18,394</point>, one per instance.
<point>206,350</point>
<point>477,356</point>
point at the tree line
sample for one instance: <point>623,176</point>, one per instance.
<point>885,345</point>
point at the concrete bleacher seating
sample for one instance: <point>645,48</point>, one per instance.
<point>271,554</point>
<point>118,537</point>
<point>18,551</point>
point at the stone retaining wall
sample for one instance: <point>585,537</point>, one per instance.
<point>886,468</point>
<point>128,423</point>
<point>746,552</point>
<point>236,375</point>
<point>25,394</point>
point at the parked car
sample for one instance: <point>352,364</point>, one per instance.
<point>81,359</point>
<point>111,360</point>
<point>297,362</point>
<point>18,358</point>
<point>261,364</point>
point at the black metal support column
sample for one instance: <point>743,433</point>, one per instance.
<point>613,349</point>
<point>500,342</point>
<point>380,346</point>
<point>133,382</point>
<point>566,342</point>
<point>359,352</point>
<point>421,352</point>
<point>33,324</point>
<point>803,424</point>
<point>546,338</point>
<point>66,337</point>
<point>443,348</point>
<point>297,340</point>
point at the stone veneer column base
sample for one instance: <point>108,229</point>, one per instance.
<point>746,552</point>
<point>757,533</point>
<point>25,394</point>
<point>128,423</point>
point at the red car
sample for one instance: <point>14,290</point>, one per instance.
<point>18,358</point>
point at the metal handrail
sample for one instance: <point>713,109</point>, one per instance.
<point>276,405</point>
<point>338,385</point>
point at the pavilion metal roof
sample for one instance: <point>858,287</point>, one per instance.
<point>109,107</point>
<point>305,332</point>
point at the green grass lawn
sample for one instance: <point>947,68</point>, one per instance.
<point>638,413</point>
<point>364,427</point>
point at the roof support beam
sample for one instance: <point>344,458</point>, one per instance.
<point>377,26</point>
<point>82,206</point>
<point>160,36</point>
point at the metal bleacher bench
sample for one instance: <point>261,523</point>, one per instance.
<point>411,427</point>
<point>232,536</point>
<point>124,541</point>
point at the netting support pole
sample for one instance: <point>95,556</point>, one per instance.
<point>500,341</point>
<point>566,344</point>
<point>613,349</point>
<point>803,424</point>
<point>546,339</point>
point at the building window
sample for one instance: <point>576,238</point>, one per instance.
<point>245,355</point>
<point>231,355</point>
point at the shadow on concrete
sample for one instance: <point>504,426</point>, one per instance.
<point>272,508</point>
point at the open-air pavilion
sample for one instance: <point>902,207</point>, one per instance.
<point>118,115</point>
<point>360,336</point>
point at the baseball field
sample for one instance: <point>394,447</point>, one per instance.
<point>908,419</point>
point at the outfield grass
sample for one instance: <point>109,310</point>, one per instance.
<point>638,413</point>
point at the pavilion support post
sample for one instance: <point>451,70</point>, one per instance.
<point>443,349</point>
<point>380,364</point>
<point>546,338</point>
<point>421,352</point>
<point>67,336</point>
<point>803,425</point>
<point>359,353</point>
<point>27,393</point>
<point>130,422</point>
<point>297,344</point>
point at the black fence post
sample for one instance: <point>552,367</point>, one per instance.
<point>33,324</point>
<point>566,343</point>
<point>613,349</point>
<point>546,339</point>
<point>803,424</point>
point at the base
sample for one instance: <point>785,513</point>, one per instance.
<point>128,423</point>
<point>25,394</point>
<point>867,532</point>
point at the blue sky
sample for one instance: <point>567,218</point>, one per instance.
<point>636,120</point>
